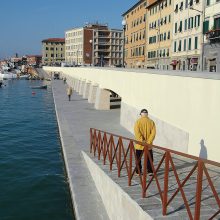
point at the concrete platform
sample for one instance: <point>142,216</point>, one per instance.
<point>74,119</point>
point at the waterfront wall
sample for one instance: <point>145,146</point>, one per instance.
<point>185,109</point>
<point>118,204</point>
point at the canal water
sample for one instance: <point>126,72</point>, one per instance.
<point>33,184</point>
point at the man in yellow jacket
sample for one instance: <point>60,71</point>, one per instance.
<point>145,131</point>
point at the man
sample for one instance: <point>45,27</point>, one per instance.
<point>145,131</point>
<point>69,92</point>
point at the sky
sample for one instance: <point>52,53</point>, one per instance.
<point>25,23</point>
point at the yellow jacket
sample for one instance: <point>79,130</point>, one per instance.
<point>144,131</point>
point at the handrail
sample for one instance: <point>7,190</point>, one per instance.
<point>113,148</point>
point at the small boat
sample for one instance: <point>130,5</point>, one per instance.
<point>39,87</point>
<point>1,84</point>
<point>7,75</point>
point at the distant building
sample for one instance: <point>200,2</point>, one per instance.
<point>34,60</point>
<point>187,34</point>
<point>211,50</point>
<point>159,34</point>
<point>94,44</point>
<point>53,51</point>
<point>135,35</point>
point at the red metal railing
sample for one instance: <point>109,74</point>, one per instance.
<point>120,150</point>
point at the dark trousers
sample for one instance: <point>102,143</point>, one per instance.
<point>149,167</point>
<point>69,96</point>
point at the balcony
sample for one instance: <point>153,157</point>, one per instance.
<point>213,36</point>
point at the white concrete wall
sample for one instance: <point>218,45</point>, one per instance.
<point>191,105</point>
<point>118,204</point>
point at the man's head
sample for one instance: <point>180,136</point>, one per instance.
<point>144,112</point>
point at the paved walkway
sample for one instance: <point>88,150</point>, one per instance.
<point>74,119</point>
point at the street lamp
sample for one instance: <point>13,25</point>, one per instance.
<point>123,54</point>
<point>90,41</point>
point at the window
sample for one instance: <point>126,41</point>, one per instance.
<point>175,27</point>
<point>205,26</point>
<point>180,27</point>
<point>186,3</point>
<point>207,2</point>
<point>180,44</point>
<point>184,45</point>
<point>174,46</point>
<point>185,26</point>
<point>196,43</point>
<point>217,23</point>
<point>189,44</point>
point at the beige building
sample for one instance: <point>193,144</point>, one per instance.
<point>135,35</point>
<point>53,51</point>
<point>211,49</point>
<point>94,44</point>
<point>159,33</point>
<point>187,34</point>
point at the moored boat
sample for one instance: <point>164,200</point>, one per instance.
<point>39,87</point>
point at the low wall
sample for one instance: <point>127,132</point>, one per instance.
<point>118,204</point>
<point>185,109</point>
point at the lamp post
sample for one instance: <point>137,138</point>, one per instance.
<point>77,57</point>
<point>123,54</point>
<point>91,54</point>
<point>203,20</point>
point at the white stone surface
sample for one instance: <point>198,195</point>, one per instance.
<point>92,93</point>
<point>102,101</point>
<point>86,90</point>
<point>118,204</point>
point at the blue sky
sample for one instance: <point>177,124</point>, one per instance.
<point>24,23</point>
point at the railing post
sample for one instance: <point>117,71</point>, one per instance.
<point>99,143</point>
<point>104,150</point>
<point>198,190</point>
<point>119,158</point>
<point>91,140</point>
<point>144,172</point>
<point>130,164</point>
<point>166,179</point>
<point>111,153</point>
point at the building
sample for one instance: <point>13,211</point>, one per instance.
<point>159,33</point>
<point>53,51</point>
<point>107,46</point>
<point>187,35</point>
<point>74,46</point>
<point>135,35</point>
<point>94,44</point>
<point>211,50</point>
<point>34,60</point>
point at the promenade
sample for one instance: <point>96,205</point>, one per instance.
<point>74,119</point>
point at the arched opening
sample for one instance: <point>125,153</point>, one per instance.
<point>115,100</point>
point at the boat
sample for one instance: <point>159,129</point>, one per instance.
<point>1,84</point>
<point>27,76</point>
<point>7,75</point>
<point>39,87</point>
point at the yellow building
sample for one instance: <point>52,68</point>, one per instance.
<point>53,51</point>
<point>135,35</point>
<point>159,33</point>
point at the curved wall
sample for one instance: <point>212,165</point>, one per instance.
<point>186,109</point>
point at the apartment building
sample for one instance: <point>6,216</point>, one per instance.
<point>187,35</point>
<point>159,33</point>
<point>211,50</point>
<point>74,46</point>
<point>107,46</point>
<point>135,35</point>
<point>94,44</point>
<point>53,51</point>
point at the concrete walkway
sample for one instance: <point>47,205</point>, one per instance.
<point>74,119</point>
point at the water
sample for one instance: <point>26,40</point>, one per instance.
<point>32,175</point>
